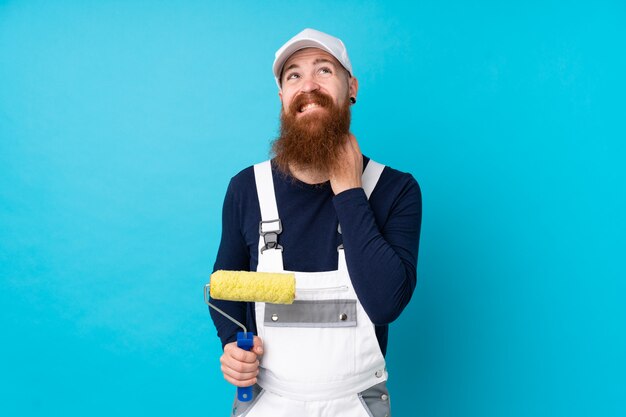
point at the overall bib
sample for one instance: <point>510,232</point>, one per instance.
<point>322,357</point>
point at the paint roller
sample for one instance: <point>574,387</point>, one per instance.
<point>267,287</point>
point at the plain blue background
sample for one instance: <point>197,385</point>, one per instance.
<point>121,123</point>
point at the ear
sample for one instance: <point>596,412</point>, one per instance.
<point>353,86</point>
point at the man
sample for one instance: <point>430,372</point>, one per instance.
<point>355,258</point>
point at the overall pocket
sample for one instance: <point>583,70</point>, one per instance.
<point>310,340</point>
<point>376,401</point>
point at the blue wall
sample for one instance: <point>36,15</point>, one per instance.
<point>121,123</point>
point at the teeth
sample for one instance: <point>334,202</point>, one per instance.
<point>308,106</point>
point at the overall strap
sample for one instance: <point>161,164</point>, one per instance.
<point>270,252</point>
<point>370,178</point>
<point>371,174</point>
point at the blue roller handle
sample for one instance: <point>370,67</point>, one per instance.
<point>245,341</point>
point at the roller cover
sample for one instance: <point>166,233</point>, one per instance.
<point>267,287</point>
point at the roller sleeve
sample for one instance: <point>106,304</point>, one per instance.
<point>268,287</point>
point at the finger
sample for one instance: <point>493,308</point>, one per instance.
<point>258,345</point>
<point>240,383</point>
<point>240,373</point>
<point>238,354</point>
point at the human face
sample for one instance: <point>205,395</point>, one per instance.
<point>312,69</point>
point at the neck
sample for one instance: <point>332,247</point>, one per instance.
<point>307,175</point>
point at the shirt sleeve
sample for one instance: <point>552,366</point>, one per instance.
<point>382,260</point>
<point>232,255</point>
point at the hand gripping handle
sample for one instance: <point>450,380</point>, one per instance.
<point>245,341</point>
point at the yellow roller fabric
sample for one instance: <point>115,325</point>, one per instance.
<point>277,288</point>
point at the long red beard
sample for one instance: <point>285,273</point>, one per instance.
<point>312,141</point>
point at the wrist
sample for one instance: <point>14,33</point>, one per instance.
<point>350,196</point>
<point>340,188</point>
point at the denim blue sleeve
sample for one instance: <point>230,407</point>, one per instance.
<point>382,258</point>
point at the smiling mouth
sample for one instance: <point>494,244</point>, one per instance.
<point>308,106</point>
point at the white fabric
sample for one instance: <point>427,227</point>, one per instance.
<point>341,260</point>
<point>265,191</point>
<point>272,260</point>
<point>324,367</point>
<point>370,177</point>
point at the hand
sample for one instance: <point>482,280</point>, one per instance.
<point>240,367</point>
<point>347,174</point>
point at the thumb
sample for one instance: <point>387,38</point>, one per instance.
<point>257,346</point>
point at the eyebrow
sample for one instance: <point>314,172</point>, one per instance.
<point>317,61</point>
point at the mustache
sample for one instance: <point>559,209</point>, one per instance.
<point>319,98</point>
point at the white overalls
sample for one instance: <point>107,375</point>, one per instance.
<point>321,356</point>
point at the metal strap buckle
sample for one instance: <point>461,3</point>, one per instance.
<point>269,230</point>
<point>340,247</point>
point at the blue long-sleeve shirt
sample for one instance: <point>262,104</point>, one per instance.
<point>380,237</point>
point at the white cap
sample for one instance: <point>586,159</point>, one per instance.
<point>311,38</point>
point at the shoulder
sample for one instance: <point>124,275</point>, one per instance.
<point>243,182</point>
<point>241,188</point>
<point>397,183</point>
<point>245,176</point>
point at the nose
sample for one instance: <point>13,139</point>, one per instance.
<point>308,85</point>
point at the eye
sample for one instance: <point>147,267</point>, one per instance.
<point>325,70</point>
<point>292,76</point>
